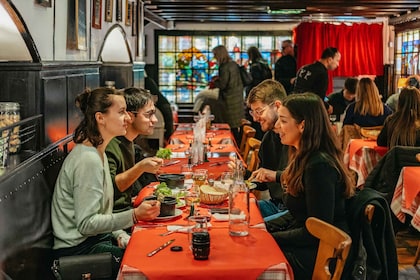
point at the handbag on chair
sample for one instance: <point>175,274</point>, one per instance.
<point>87,267</point>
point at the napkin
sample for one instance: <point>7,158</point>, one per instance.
<point>183,229</point>
<point>225,217</point>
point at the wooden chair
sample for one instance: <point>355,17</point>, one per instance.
<point>247,132</point>
<point>333,244</point>
<point>252,144</point>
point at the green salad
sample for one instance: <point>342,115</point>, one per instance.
<point>164,153</point>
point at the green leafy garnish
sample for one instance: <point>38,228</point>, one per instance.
<point>162,190</point>
<point>164,153</point>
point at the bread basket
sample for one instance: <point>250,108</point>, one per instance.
<point>212,195</point>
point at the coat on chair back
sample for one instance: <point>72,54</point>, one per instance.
<point>373,253</point>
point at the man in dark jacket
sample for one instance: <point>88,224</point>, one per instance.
<point>340,100</point>
<point>314,77</point>
<point>285,67</point>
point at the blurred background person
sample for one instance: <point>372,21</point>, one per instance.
<point>412,81</point>
<point>340,100</point>
<point>402,128</point>
<point>368,109</point>
<point>285,67</point>
<point>314,77</point>
<point>316,182</point>
<point>231,98</point>
<point>260,71</point>
<point>161,103</point>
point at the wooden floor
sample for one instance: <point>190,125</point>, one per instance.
<point>407,242</point>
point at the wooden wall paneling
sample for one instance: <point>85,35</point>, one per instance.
<point>75,85</point>
<point>55,108</point>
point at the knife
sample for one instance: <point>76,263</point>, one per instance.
<point>171,163</point>
<point>161,247</point>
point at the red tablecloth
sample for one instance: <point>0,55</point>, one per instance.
<point>361,156</point>
<point>250,257</point>
<point>406,199</point>
<point>256,255</point>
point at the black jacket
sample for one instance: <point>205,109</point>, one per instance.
<point>377,238</point>
<point>384,175</point>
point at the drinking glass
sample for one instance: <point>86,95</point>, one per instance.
<point>199,178</point>
<point>187,171</point>
<point>226,178</point>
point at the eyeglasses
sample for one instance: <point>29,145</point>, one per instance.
<point>258,112</point>
<point>147,115</point>
<point>284,47</point>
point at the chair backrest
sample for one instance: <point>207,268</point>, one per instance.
<point>252,145</point>
<point>247,132</point>
<point>333,244</point>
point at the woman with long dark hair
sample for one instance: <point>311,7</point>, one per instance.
<point>403,127</point>
<point>315,181</point>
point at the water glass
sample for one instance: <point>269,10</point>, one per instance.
<point>187,171</point>
<point>239,215</point>
<point>227,178</point>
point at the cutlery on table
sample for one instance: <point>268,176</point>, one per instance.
<point>171,163</point>
<point>161,247</point>
<point>218,163</point>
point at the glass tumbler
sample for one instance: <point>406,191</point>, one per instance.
<point>196,224</point>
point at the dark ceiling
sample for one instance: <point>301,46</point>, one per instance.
<point>274,11</point>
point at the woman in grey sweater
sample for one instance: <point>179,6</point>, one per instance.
<point>81,214</point>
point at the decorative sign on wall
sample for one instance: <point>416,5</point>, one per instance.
<point>109,7</point>
<point>134,19</point>
<point>118,14</point>
<point>128,12</point>
<point>97,14</point>
<point>76,27</point>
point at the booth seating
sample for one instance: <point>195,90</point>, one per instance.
<point>25,207</point>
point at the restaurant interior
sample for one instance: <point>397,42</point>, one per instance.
<point>50,51</point>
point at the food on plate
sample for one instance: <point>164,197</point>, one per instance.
<point>164,153</point>
<point>162,190</point>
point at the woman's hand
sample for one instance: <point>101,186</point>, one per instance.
<point>148,210</point>
<point>263,175</point>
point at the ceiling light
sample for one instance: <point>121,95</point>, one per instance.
<point>285,11</point>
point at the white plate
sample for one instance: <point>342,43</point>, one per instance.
<point>178,212</point>
<point>181,203</point>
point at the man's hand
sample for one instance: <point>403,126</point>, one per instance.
<point>148,210</point>
<point>263,175</point>
<point>150,164</point>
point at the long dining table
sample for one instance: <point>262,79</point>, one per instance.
<point>256,256</point>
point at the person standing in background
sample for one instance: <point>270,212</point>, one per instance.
<point>231,97</point>
<point>340,100</point>
<point>314,77</point>
<point>125,172</point>
<point>285,67</point>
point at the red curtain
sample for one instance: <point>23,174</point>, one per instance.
<point>360,45</point>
